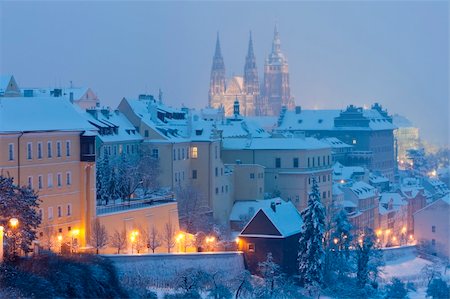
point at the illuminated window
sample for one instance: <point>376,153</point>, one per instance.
<point>354,141</point>
<point>194,153</point>
<point>251,247</point>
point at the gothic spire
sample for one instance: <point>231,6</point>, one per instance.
<point>250,46</point>
<point>276,44</point>
<point>218,52</point>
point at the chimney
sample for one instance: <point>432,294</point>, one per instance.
<point>71,97</point>
<point>273,206</point>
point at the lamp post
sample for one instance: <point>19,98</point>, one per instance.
<point>14,222</point>
<point>133,239</point>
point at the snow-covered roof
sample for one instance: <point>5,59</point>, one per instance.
<point>341,172</point>
<point>377,179</point>
<point>268,123</point>
<point>396,199</point>
<point>363,190</point>
<point>401,121</point>
<point>4,81</point>
<point>335,142</point>
<point>105,118</point>
<point>286,218</point>
<point>274,143</point>
<point>40,114</point>
<point>323,120</point>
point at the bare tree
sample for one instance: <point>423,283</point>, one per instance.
<point>154,239</point>
<point>99,235</point>
<point>193,209</point>
<point>148,169</point>
<point>142,239</point>
<point>48,237</point>
<point>119,240</point>
<point>169,236</point>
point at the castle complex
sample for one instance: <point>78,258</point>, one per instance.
<point>254,99</point>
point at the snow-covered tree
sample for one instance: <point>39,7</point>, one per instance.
<point>311,252</point>
<point>154,240</point>
<point>438,288</point>
<point>48,237</point>
<point>21,203</point>
<point>244,285</point>
<point>103,179</point>
<point>99,235</point>
<point>368,258</point>
<point>118,240</point>
<point>272,276</point>
<point>396,289</point>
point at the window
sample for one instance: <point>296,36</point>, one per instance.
<point>252,175</point>
<point>68,178</point>
<point>176,176</point>
<point>59,230</point>
<point>433,229</point>
<point>194,174</point>
<point>297,198</point>
<point>179,156</point>
<point>174,154</point>
<point>314,162</point>
<point>155,153</point>
<point>69,209</point>
<point>328,160</point>
<point>50,180</point>
<point>217,190</point>
<point>40,182</point>
<point>309,164</point>
<point>146,133</point>
<point>41,213</point>
<point>50,213</point>
<point>194,153</point>
<point>58,149</point>
<point>115,150</point>
<point>128,148</point>
<point>295,162</point>
<point>324,178</point>
<point>182,153</point>
<point>215,151</point>
<point>69,228</point>
<point>318,161</point>
<point>59,179</point>
<point>354,141</point>
<point>11,151</point>
<point>187,153</point>
<point>29,151</point>
<point>49,149</point>
<point>433,242</point>
<point>59,212</point>
<point>222,189</point>
<point>216,171</point>
<point>277,162</point>
<point>30,182</point>
<point>323,160</point>
<point>68,148</point>
<point>226,188</point>
<point>39,152</point>
<point>251,247</point>
<point>324,195</point>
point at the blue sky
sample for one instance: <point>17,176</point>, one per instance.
<point>339,53</point>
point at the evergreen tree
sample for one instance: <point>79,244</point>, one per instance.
<point>103,179</point>
<point>368,258</point>
<point>311,252</point>
<point>396,289</point>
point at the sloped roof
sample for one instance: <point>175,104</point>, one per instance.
<point>4,81</point>
<point>285,218</point>
<point>247,208</point>
<point>40,114</point>
<point>363,190</point>
<point>274,143</point>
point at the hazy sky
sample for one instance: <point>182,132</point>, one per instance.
<point>339,53</point>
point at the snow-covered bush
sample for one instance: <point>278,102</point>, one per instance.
<point>396,289</point>
<point>438,289</point>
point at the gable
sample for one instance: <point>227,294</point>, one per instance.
<point>260,224</point>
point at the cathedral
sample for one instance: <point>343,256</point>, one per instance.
<point>254,99</point>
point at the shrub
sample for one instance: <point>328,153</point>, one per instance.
<point>396,289</point>
<point>438,289</point>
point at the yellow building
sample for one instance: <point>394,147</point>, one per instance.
<point>46,144</point>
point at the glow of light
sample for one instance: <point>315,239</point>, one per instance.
<point>379,232</point>
<point>13,222</point>
<point>75,232</point>
<point>210,239</point>
<point>179,237</point>
<point>394,238</point>
<point>404,229</point>
<point>342,182</point>
<point>360,241</point>
<point>237,240</point>
<point>411,237</point>
<point>388,231</point>
<point>1,228</point>
<point>59,238</point>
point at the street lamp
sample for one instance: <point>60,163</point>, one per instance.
<point>1,243</point>
<point>133,239</point>
<point>75,234</point>
<point>13,223</point>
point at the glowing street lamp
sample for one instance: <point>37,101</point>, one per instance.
<point>133,238</point>
<point>1,243</point>
<point>14,222</point>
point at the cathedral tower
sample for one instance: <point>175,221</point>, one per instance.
<point>276,90</point>
<point>217,80</point>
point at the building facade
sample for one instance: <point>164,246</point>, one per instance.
<point>48,146</point>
